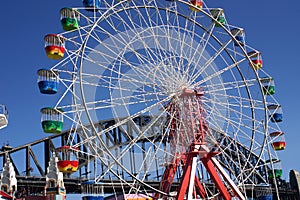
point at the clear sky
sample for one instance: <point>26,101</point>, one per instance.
<point>271,27</point>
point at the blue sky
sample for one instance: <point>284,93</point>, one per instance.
<point>271,27</point>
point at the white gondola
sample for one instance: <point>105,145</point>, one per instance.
<point>3,116</point>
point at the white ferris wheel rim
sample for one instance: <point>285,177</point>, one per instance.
<point>123,82</point>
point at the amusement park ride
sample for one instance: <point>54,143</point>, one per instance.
<point>185,101</point>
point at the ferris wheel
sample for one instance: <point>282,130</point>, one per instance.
<point>166,96</point>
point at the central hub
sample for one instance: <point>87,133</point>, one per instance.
<point>188,92</point>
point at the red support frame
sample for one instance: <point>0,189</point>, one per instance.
<point>168,177</point>
<point>207,162</point>
<point>192,114</point>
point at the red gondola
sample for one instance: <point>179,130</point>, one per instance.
<point>196,3</point>
<point>278,143</point>
<point>256,60</point>
<point>54,46</point>
<point>278,146</point>
<point>69,161</point>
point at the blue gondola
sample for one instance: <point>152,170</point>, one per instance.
<point>263,192</point>
<point>91,5</point>
<point>92,190</point>
<point>276,114</point>
<point>92,197</point>
<point>239,35</point>
<point>266,197</point>
<point>47,81</point>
